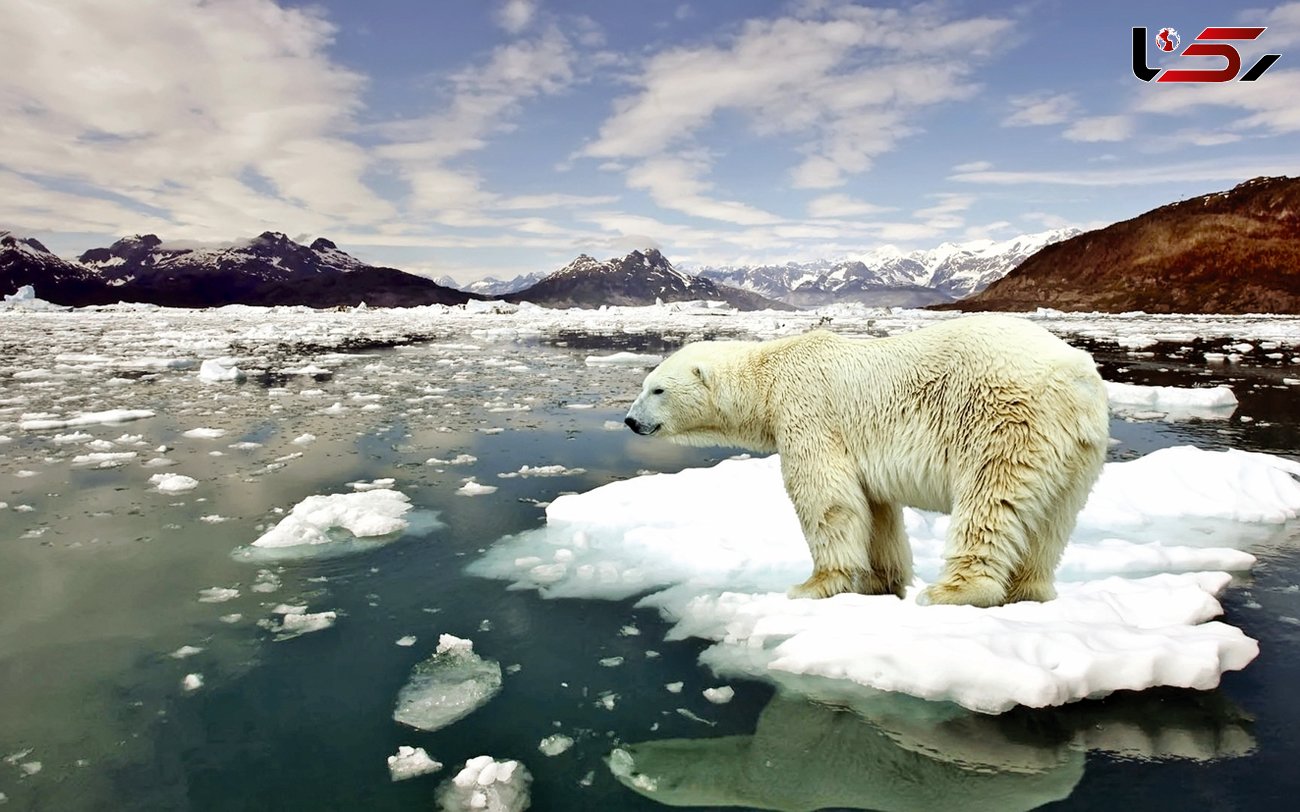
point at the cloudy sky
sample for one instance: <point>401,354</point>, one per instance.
<point>507,136</point>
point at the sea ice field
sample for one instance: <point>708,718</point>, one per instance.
<point>412,559</point>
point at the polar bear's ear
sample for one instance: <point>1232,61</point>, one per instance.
<point>701,373</point>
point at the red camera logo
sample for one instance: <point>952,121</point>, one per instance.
<point>1212,41</point>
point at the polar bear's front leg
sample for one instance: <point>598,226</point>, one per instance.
<point>836,521</point>
<point>889,551</point>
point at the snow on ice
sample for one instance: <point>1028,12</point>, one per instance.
<point>411,762</point>
<point>333,524</point>
<point>486,784</point>
<point>1137,586</point>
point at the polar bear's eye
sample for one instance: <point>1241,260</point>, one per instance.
<point>657,391</point>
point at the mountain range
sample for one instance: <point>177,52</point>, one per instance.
<point>884,277</point>
<point>269,269</point>
<point>640,278</point>
<point>1235,251</point>
<point>890,277</point>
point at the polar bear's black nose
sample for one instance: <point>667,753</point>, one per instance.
<point>633,424</point>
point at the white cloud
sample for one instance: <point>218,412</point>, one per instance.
<point>1101,128</point>
<point>1039,109</point>
<point>841,205</point>
<point>946,214</point>
<point>161,104</point>
<point>1222,171</point>
<point>973,166</point>
<point>845,81</point>
<point>1267,104</point>
<point>674,183</point>
<point>515,15</point>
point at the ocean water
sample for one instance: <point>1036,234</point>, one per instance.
<point>103,581</point>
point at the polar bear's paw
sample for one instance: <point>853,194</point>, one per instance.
<point>976,591</point>
<point>827,583</point>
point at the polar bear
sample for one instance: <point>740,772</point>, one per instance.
<point>990,418</point>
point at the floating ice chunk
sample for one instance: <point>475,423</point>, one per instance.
<point>411,762</point>
<point>104,418</point>
<point>192,682</point>
<point>674,687</point>
<point>173,483</point>
<point>304,439</point>
<point>217,594</point>
<point>447,687</point>
<point>542,470</point>
<point>310,369</point>
<point>374,485</point>
<point>213,518</point>
<point>487,784</point>
<point>1170,402</point>
<point>472,488</point>
<point>185,651</point>
<point>73,437</point>
<point>219,370</point>
<point>204,433</point>
<point>293,624</point>
<point>720,695</point>
<point>406,641</point>
<point>624,359</point>
<point>338,518</point>
<point>731,544</point>
<point>555,744</point>
<point>459,459</point>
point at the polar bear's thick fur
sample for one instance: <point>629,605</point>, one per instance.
<point>990,418</point>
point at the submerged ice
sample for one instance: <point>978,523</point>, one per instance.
<point>716,548</point>
<point>448,686</point>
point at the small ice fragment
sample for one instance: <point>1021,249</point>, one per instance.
<point>204,433</point>
<point>408,640</point>
<point>720,695</point>
<point>675,687</point>
<point>611,662</point>
<point>185,651</point>
<point>192,682</point>
<point>472,488</point>
<point>217,594</point>
<point>173,483</point>
<point>219,370</point>
<point>410,762</point>
<point>231,618</point>
<point>554,745</point>
<point>304,439</point>
<point>695,717</point>
<point>296,624</point>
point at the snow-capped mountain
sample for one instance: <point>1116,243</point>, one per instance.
<point>270,269</point>
<point>492,286</point>
<point>640,278</point>
<point>888,276</point>
<point>25,261</point>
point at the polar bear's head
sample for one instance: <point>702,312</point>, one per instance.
<point>675,399</point>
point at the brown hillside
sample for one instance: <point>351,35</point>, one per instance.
<point>1228,252</point>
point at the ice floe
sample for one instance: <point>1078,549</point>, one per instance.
<point>448,686</point>
<point>624,359</point>
<point>220,370</point>
<point>334,524</point>
<point>106,417</point>
<point>1171,402</point>
<point>714,550</point>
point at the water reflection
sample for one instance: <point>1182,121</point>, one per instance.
<point>890,752</point>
